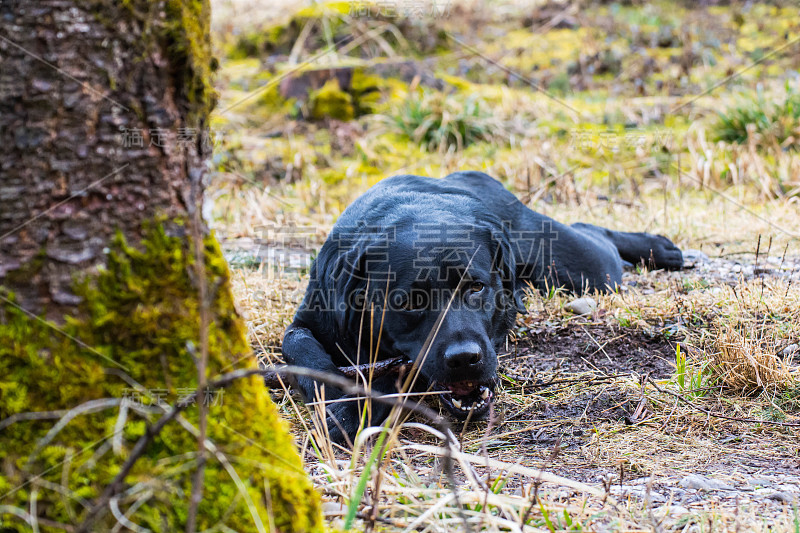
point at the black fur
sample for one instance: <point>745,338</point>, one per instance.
<point>414,254</point>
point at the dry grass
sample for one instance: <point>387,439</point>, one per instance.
<point>743,363</point>
<point>267,303</point>
<point>668,440</point>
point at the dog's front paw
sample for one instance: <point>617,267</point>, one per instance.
<point>343,421</point>
<point>345,418</point>
<point>664,254</point>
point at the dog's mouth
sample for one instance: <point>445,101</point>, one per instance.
<point>467,398</point>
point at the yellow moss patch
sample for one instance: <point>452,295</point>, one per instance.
<point>139,323</point>
<point>331,101</point>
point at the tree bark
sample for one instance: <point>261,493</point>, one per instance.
<point>79,81</point>
<point>111,288</point>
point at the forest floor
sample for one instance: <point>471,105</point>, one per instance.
<point>676,399</point>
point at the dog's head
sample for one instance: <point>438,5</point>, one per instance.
<point>439,290</point>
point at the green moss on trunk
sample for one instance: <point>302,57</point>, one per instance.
<point>184,32</point>
<point>188,31</point>
<point>140,316</point>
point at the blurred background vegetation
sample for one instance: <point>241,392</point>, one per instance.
<point>611,112</point>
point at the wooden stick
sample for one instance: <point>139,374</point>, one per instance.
<point>377,369</point>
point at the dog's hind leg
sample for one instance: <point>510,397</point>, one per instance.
<point>654,251</point>
<point>548,253</point>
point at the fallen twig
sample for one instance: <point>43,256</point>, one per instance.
<point>529,382</point>
<point>514,468</point>
<point>378,369</point>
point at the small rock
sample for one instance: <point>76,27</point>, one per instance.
<point>790,350</point>
<point>697,482</point>
<point>582,306</point>
<point>75,230</point>
<point>759,482</point>
<point>694,482</point>
<point>781,496</point>
<point>71,253</point>
<point>64,297</point>
<point>719,485</point>
<point>42,85</point>
<point>636,492</point>
<point>690,499</point>
<point>332,509</point>
<point>562,495</point>
<point>669,510</point>
<point>693,257</point>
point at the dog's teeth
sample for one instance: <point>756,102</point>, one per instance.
<point>457,404</point>
<point>485,394</point>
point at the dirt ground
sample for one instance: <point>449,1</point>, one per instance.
<point>576,400</point>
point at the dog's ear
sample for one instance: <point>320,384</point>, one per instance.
<point>348,281</point>
<point>505,263</point>
<point>360,267</point>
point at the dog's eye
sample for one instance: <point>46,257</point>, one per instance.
<point>476,287</point>
<point>416,301</point>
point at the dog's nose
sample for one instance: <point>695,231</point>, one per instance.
<point>462,355</point>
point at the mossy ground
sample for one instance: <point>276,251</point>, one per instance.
<point>138,325</point>
<point>622,112</point>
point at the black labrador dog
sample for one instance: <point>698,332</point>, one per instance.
<point>434,270</point>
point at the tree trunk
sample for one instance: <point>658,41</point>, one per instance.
<point>112,292</point>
